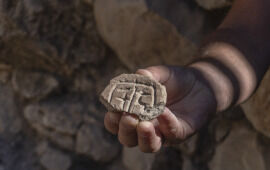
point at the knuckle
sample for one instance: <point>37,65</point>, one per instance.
<point>112,128</point>
<point>129,124</point>
<point>171,133</point>
<point>113,118</point>
<point>177,136</point>
<point>127,141</point>
<point>183,133</point>
<point>128,133</point>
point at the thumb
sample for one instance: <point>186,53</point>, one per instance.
<point>172,128</point>
<point>177,80</point>
<point>158,73</point>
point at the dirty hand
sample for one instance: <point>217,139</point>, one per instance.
<point>189,103</point>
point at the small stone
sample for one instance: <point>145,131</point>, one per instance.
<point>5,73</point>
<point>10,122</point>
<point>33,84</point>
<point>4,76</point>
<point>42,147</point>
<point>94,142</point>
<point>240,150</point>
<point>135,159</point>
<point>52,159</point>
<point>58,119</point>
<point>135,94</point>
<point>89,2</point>
<point>62,118</point>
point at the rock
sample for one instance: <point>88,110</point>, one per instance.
<point>52,159</point>
<point>29,53</point>
<point>4,76</point>
<point>214,4</point>
<point>188,147</point>
<point>187,164</point>
<point>93,142</point>
<point>257,108</point>
<point>140,37</point>
<point>5,73</point>
<point>58,119</point>
<point>187,17</point>
<point>89,2</point>
<point>33,84</point>
<point>62,140</point>
<point>17,153</point>
<point>83,83</point>
<point>239,151</point>
<point>34,6</point>
<point>135,94</point>
<point>64,118</point>
<point>168,158</point>
<point>265,148</point>
<point>43,41</point>
<point>134,159</point>
<point>10,122</point>
<point>117,165</point>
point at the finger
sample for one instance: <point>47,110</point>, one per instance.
<point>148,140</point>
<point>172,128</point>
<point>177,80</point>
<point>127,134</point>
<point>111,122</point>
<point>158,73</point>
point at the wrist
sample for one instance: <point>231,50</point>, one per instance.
<point>229,76</point>
<point>216,80</point>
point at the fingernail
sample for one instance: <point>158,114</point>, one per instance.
<point>114,118</point>
<point>144,128</point>
<point>131,119</point>
<point>145,73</point>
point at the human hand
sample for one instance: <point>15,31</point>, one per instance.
<point>189,103</point>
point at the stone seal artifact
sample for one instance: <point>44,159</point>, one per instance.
<point>135,94</point>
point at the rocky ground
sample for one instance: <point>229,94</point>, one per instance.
<point>57,56</point>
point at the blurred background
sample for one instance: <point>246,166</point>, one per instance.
<point>56,56</point>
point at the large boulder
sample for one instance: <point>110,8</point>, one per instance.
<point>214,4</point>
<point>240,150</point>
<point>93,142</point>
<point>53,35</point>
<point>57,119</point>
<point>148,32</point>
<point>52,159</point>
<point>257,108</point>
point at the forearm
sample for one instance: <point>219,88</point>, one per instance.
<point>236,56</point>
